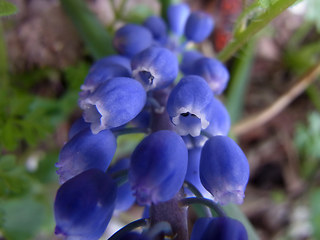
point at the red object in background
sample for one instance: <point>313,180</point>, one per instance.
<point>226,13</point>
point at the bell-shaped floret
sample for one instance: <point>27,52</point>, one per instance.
<point>86,151</point>
<point>155,68</point>
<point>158,167</point>
<point>112,59</point>
<point>218,228</point>
<point>158,28</point>
<point>125,198</point>
<point>224,170</point>
<point>177,17</point>
<point>220,123</point>
<point>113,103</point>
<point>189,105</point>
<point>132,39</point>
<point>77,127</point>
<point>188,60</point>
<point>100,75</point>
<point>193,175</point>
<point>214,72</point>
<point>84,205</point>
<point>199,26</point>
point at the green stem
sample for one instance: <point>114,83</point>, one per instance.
<point>133,130</point>
<point>129,227</point>
<point>207,202</point>
<point>255,26</point>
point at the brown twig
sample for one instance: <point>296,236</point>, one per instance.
<point>279,105</point>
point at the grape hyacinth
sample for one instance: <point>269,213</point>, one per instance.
<point>185,155</point>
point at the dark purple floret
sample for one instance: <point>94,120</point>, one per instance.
<point>219,228</point>
<point>84,205</point>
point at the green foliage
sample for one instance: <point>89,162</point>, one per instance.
<point>29,118</point>
<point>7,8</point>
<point>96,38</point>
<point>306,139</point>
<point>23,218</point>
<point>256,24</point>
<point>14,181</point>
<point>315,212</point>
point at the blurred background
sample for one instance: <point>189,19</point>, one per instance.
<point>47,47</point>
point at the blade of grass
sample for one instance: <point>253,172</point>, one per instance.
<point>96,38</point>
<point>239,82</point>
<point>254,27</point>
<point>3,61</point>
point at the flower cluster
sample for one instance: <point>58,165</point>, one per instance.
<point>186,125</point>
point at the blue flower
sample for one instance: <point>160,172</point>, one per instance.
<point>218,228</point>
<point>101,74</point>
<point>199,26</point>
<point>189,105</point>
<point>177,17</point>
<point>112,59</point>
<point>86,151</point>
<point>125,198</point>
<point>113,103</point>
<point>214,72</point>
<point>155,68</point>
<point>77,127</point>
<point>220,123</point>
<point>193,175</point>
<point>158,167</point>
<point>158,28</point>
<point>224,170</point>
<point>132,39</point>
<point>84,205</point>
<point>188,60</point>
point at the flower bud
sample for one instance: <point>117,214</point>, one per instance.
<point>199,26</point>
<point>86,151</point>
<point>158,167</point>
<point>177,17</point>
<point>132,39</point>
<point>218,228</point>
<point>158,28</point>
<point>84,205</point>
<point>214,72</point>
<point>224,170</point>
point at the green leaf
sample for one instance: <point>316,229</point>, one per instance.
<point>265,3</point>
<point>96,38</point>
<point>7,8</point>
<point>254,27</point>
<point>23,218</point>
<point>13,178</point>
<point>240,75</point>
<point>315,212</point>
